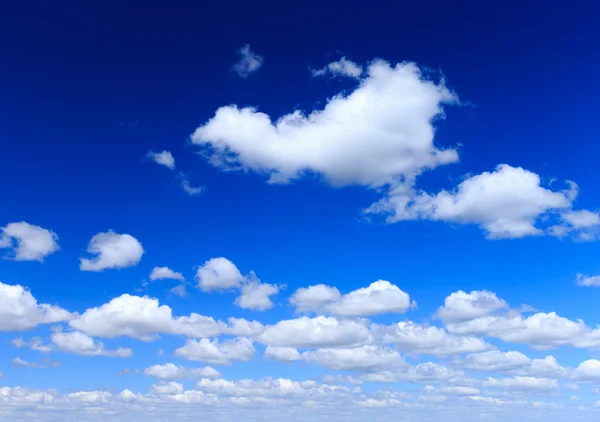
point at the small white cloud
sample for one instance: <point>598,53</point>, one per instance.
<point>256,295</point>
<point>179,291</point>
<point>81,344</point>
<point>191,190</point>
<point>461,306</point>
<point>249,62</point>
<point>112,250</point>
<point>587,281</point>
<point>218,274</point>
<point>342,67</point>
<point>162,273</point>
<point>29,242</point>
<point>213,352</point>
<point>20,311</point>
<point>164,158</point>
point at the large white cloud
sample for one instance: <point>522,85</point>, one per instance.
<point>214,352</point>
<point>506,203</point>
<point>20,311</point>
<point>419,339</point>
<point>380,133</point>
<point>29,242</point>
<point>379,297</point>
<point>112,250</point>
<point>315,332</point>
<point>460,306</point>
<point>587,371</point>
<point>82,344</point>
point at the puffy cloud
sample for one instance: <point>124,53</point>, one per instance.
<point>164,158</point>
<point>342,67</point>
<point>167,388</point>
<point>523,383</point>
<point>461,306</point>
<point>142,318</point>
<point>28,242</point>
<point>19,310</point>
<point>172,371</point>
<point>81,344</point>
<point>89,396</point>
<point>112,250</point>
<point>162,273</point>
<point>512,362</point>
<point>423,372</point>
<point>239,349</point>
<point>365,358</point>
<point>320,331</point>
<point>416,338</point>
<point>219,274</point>
<point>587,371</point>
<point>587,281</point>
<point>179,291</point>
<point>379,297</point>
<point>249,62</point>
<point>256,295</point>
<point>379,134</point>
<point>581,219</point>
<point>281,354</point>
<point>505,203</point>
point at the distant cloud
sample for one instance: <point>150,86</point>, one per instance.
<point>587,281</point>
<point>82,344</point>
<point>164,158</point>
<point>112,250</point>
<point>162,273</point>
<point>191,190</point>
<point>249,62</point>
<point>342,67</point>
<point>28,242</point>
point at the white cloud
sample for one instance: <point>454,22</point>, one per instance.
<point>379,297</point>
<point>256,295</point>
<point>35,343</point>
<point>164,158</point>
<point>28,242</point>
<point>461,306</point>
<point>161,273</point>
<point>342,67</point>
<point>25,364</point>
<point>587,371</point>
<point>364,358</point>
<point>522,383</point>
<point>320,331</point>
<point>81,344</point>
<point>218,274</point>
<point>379,134</point>
<point>179,291</point>
<point>512,362</point>
<point>249,62</point>
<point>581,219</point>
<point>191,190</point>
<point>20,311</point>
<point>416,338</point>
<point>281,354</point>
<point>143,318</point>
<point>171,371</point>
<point>588,281</point>
<point>112,250</point>
<point>167,388</point>
<point>505,203</point>
<point>239,349</point>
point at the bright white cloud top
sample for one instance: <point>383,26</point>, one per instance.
<point>112,250</point>
<point>28,242</point>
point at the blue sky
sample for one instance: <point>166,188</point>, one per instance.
<point>327,210</point>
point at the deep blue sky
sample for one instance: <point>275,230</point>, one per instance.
<point>88,88</point>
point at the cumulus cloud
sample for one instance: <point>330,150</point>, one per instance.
<point>218,274</point>
<point>522,383</point>
<point>364,358</point>
<point>506,203</point>
<point>460,306</point>
<point>171,371</point>
<point>342,67</point>
<point>379,297</point>
<point>249,62</point>
<point>416,338</point>
<point>256,295</point>
<point>28,242</point>
<point>512,362</point>
<point>81,344</point>
<point>20,311</point>
<point>164,158</point>
<point>316,332</point>
<point>112,250</point>
<point>281,354</point>
<point>587,281</point>
<point>379,134</point>
<point>162,273</point>
<point>214,352</point>
<point>587,371</point>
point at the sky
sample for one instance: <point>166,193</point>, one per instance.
<point>323,211</point>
